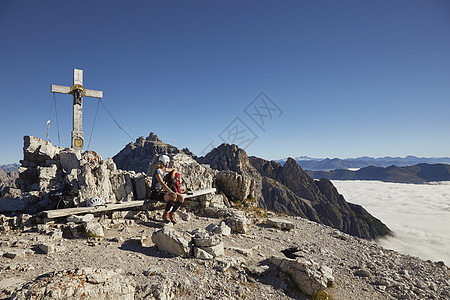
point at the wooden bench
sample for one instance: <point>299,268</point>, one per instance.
<point>57,213</point>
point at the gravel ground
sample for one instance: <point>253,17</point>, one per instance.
<point>361,269</point>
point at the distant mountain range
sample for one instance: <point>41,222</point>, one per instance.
<point>420,173</point>
<point>327,164</point>
<point>10,168</point>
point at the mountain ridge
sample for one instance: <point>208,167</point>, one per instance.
<point>328,164</point>
<point>420,173</point>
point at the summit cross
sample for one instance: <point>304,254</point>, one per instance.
<point>78,92</point>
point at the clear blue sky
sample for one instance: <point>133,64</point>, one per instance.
<point>348,78</point>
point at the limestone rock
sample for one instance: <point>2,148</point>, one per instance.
<point>202,254</point>
<point>256,270</point>
<point>17,253</point>
<point>94,229</point>
<point>47,248</point>
<point>238,223</point>
<point>222,229</point>
<point>78,219</point>
<point>38,150</point>
<point>231,158</point>
<point>203,239</point>
<point>281,223</point>
<point>216,250</point>
<point>70,159</point>
<point>213,200</point>
<point>309,276</point>
<point>169,240</point>
<point>237,187</point>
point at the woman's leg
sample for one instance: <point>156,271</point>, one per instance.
<point>180,200</point>
<point>169,199</point>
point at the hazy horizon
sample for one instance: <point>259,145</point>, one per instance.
<point>418,214</point>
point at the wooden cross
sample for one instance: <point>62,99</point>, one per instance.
<point>78,92</point>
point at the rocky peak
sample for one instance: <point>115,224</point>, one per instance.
<point>152,137</point>
<point>238,176</point>
<point>320,201</point>
<point>138,155</point>
<point>228,157</point>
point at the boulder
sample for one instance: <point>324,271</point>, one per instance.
<point>203,239</point>
<point>169,240</point>
<point>70,159</point>
<point>280,223</point>
<point>309,276</point>
<point>216,250</point>
<point>17,253</point>
<point>222,229</point>
<point>94,229</point>
<point>235,186</point>
<point>228,157</point>
<point>238,223</point>
<point>202,254</point>
<point>38,150</point>
<point>47,248</point>
<point>194,176</point>
<point>78,219</point>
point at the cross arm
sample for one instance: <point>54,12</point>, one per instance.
<point>66,90</point>
<point>60,89</point>
<point>94,94</point>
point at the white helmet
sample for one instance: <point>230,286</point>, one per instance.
<point>94,201</point>
<point>164,159</point>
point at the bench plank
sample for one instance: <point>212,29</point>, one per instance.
<point>57,213</point>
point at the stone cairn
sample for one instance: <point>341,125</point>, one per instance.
<point>46,167</point>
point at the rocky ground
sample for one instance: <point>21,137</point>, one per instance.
<point>126,264</point>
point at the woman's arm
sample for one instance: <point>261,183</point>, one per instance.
<point>163,184</point>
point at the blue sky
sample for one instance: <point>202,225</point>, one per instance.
<point>343,78</point>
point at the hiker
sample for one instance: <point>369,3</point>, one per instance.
<point>161,192</point>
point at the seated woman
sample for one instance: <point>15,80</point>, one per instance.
<point>161,192</point>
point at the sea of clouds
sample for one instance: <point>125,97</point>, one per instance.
<point>418,214</point>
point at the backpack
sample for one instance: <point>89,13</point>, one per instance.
<point>63,198</point>
<point>174,184</point>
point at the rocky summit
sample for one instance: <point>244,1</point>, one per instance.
<point>258,230</point>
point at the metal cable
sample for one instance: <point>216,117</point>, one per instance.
<point>100,100</point>
<point>93,125</point>
<point>57,122</point>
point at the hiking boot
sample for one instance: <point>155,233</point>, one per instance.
<point>172,217</point>
<point>166,216</point>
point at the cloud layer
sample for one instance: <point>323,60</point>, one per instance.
<point>418,214</point>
